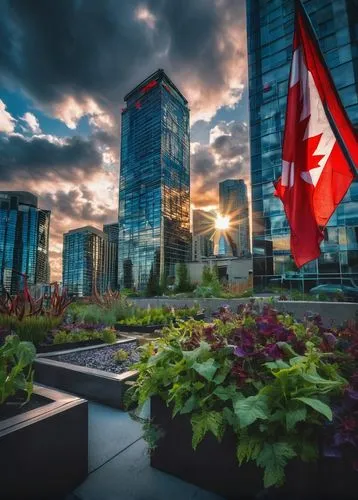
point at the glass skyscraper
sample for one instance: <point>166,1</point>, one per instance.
<point>233,203</point>
<point>270,34</point>
<point>154,187</point>
<point>111,230</point>
<point>85,261</point>
<point>203,234</point>
<point>24,241</point>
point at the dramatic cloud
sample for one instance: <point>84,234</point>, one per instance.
<point>43,157</point>
<point>227,156</point>
<point>7,122</point>
<point>32,123</point>
<point>80,58</point>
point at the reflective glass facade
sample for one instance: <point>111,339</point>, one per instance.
<point>85,261</point>
<point>233,203</point>
<point>154,189</point>
<point>270,32</point>
<point>111,230</point>
<point>203,234</point>
<point>24,241</point>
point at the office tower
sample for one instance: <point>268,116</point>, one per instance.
<point>154,186</point>
<point>233,203</point>
<point>85,261</point>
<point>24,241</point>
<point>203,233</point>
<point>270,33</point>
<point>111,230</point>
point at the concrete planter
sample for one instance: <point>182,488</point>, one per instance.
<point>44,451</point>
<point>97,385</point>
<point>331,312</point>
<point>214,467</point>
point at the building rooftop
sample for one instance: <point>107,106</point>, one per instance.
<point>24,197</point>
<point>87,229</point>
<point>158,75</point>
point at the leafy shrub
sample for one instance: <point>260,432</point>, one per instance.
<point>63,337</point>
<point>16,372</point>
<point>109,336</point>
<point>274,381</point>
<point>183,279</point>
<point>35,328</point>
<point>120,356</point>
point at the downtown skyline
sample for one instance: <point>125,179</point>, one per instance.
<point>60,125</point>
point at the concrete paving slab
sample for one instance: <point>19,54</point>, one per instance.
<point>109,432</point>
<point>128,476</point>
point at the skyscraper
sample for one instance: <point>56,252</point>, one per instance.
<point>203,231</point>
<point>85,261</point>
<point>111,230</point>
<point>154,186</point>
<point>233,203</point>
<point>270,34</point>
<point>24,241</point>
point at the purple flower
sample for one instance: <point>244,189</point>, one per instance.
<point>272,351</point>
<point>330,339</point>
<point>240,353</point>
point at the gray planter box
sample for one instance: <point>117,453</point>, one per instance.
<point>44,451</point>
<point>90,383</point>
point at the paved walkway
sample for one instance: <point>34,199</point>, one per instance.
<point>119,464</point>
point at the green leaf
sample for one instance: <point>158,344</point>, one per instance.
<point>206,369</point>
<point>273,458</point>
<point>225,393</point>
<point>318,406</point>
<point>223,372</point>
<point>229,416</point>
<point>250,409</point>
<point>192,356</point>
<point>295,416</point>
<point>316,379</point>
<point>189,405</point>
<point>204,422</point>
<point>25,353</point>
<point>277,365</point>
<point>248,448</point>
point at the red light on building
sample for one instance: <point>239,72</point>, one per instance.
<point>149,86</point>
<point>138,105</point>
<point>267,87</point>
<point>167,88</point>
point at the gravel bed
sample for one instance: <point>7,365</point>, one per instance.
<point>102,358</point>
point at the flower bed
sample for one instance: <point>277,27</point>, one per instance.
<point>49,424</point>
<point>282,388</point>
<point>89,372</point>
<point>103,358</point>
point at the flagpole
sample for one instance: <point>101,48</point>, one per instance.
<point>300,7</point>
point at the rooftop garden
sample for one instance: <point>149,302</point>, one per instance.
<point>288,390</point>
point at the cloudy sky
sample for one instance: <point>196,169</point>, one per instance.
<point>65,66</point>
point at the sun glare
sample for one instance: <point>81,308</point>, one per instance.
<point>222,222</point>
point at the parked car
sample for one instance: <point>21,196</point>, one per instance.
<point>349,293</point>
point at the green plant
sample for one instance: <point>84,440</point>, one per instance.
<point>15,357</point>
<point>109,336</point>
<point>120,356</point>
<point>271,379</point>
<point>35,328</point>
<point>183,280</point>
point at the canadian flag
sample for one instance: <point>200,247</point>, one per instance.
<point>320,147</point>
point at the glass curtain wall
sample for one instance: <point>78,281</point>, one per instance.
<point>270,32</point>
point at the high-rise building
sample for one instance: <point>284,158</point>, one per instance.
<point>24,241</point>
<point>203,233</point>
<point>111,230</point>
<point>85,261</point>
<point>154,187</point>
<point>233,203</point>
<point>270,34</point>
